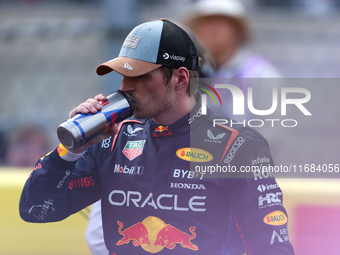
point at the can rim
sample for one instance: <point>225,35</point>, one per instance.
<point>128,100</point>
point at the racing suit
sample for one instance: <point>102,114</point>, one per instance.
<point>175,189</point>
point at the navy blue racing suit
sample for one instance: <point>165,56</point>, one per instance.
<point>191,187</point>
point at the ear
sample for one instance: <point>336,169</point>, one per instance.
<point>182,78</point>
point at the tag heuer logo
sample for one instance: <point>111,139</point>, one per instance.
<point>133,149</point>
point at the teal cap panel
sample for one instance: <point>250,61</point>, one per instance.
<point>143,42</point>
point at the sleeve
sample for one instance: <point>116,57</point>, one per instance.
<point>94,231</point>
<point>58,188</point>
<point>257,213</point>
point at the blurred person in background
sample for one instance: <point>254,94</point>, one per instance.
<point>223,29</point>
<point>25,145</point>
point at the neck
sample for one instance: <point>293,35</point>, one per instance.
<point>176,112</point>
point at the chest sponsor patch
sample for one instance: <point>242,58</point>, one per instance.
<point>133,149</point>
<point>194,155</point>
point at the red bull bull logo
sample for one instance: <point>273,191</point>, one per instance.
<point>161,129</point>
<point>153,235</point>
<point>137,233</point>
<point>169,236</point>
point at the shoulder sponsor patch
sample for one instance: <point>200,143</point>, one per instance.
<point>212,138</point>
<point>132,132</point>
<point>282,237</point>
<point>236,145</point>
<point>275,218</point>
<point>270,199</point>
<point>194,155</point>
<point>133,149</point>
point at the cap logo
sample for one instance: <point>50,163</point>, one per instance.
<point>127,66</point>
<point>173,57</point>
<point>166,56</point>
<point>131,41</point>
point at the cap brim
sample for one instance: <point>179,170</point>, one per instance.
<point>127,67</point>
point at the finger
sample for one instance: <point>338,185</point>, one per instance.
<point>89,106</point>
<point>93,105</point>
<point>78,109</point>
<point>100,97</point>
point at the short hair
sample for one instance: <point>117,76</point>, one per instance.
<point>193,74</point>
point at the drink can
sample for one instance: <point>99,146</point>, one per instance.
<point>81,128</point>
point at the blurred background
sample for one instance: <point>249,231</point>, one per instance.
<point>49,50</point>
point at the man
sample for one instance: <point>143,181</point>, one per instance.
<point>150,171</point>
<point>223,29</point>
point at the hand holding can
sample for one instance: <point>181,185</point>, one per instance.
<point>82,128</point>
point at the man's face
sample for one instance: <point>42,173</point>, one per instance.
<point>149,93</point>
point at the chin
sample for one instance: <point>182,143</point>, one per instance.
<point>138,115</point>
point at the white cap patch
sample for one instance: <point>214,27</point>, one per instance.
<point>131,41</point>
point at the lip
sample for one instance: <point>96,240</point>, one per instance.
<point>133,103</point>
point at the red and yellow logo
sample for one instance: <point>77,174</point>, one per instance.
<point>62,151</point>
<point>194,155</point>
<point>153,235</point>
<point>133,149</point>
<point>161,129</point>
<point>275,218</point>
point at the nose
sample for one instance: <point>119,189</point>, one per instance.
<point>127,85</point>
